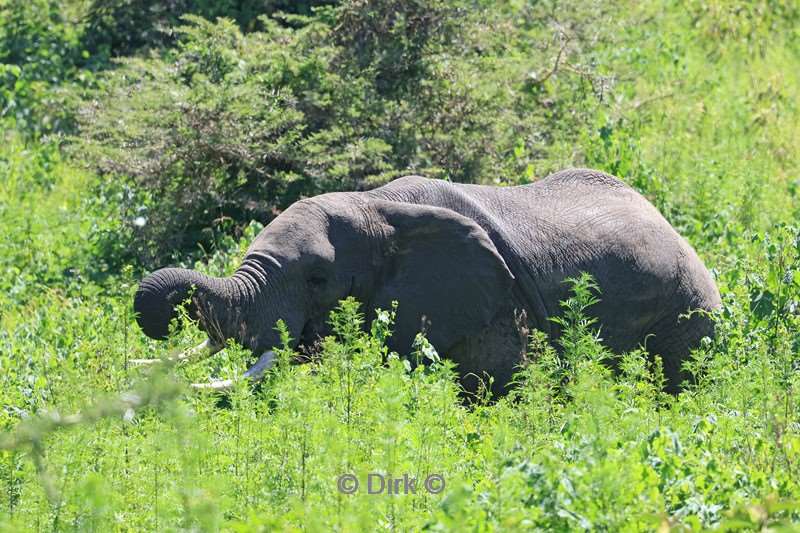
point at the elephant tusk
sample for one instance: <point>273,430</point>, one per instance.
<point>144,362</point>
<point>203,350</point>
<point>255,373</point>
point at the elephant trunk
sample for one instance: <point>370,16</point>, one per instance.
<point>159,295</point>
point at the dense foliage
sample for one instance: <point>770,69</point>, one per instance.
<point>227,127</point>
<point>107,167</point>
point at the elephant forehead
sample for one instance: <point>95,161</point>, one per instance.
<point>291,238</point>
<point>293,249</point>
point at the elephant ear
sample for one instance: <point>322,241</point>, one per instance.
<point>443,270</point>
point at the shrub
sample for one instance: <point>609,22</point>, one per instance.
<point>39,52</point>
<point>231,126</point>
<point>220,132</point>
<point>392,41</point>
<point>49,50</point>
<point>122,27</point>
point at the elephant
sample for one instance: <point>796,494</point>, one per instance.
<point>475,266</point>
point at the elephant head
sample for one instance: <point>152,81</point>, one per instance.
<point>441,268</point>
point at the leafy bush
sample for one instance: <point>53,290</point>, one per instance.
<point>122,27</point>
<point>213,135</point>
<point>230,126</point>
<point>39,53</point>
<point>392,41</point>
<point>50,50</point>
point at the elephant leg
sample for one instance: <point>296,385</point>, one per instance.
<point>674,340</point>
<point>494,355</point>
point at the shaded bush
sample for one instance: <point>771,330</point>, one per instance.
<point>49,50</point>
<point>230,126</point>
<point>225,130</point>
<point>122,27</point>
<point>389,42</point>
<point>39,51</point>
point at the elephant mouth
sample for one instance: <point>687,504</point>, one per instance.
<point>205,350</point>
<point>309,334</point>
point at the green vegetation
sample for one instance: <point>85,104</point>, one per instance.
<point>109,167</point>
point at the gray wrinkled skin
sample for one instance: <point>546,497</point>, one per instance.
<point>474,266</point>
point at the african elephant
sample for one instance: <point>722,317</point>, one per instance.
<point>475,266</point>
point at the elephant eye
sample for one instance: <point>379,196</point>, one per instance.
<point>317,281</point>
